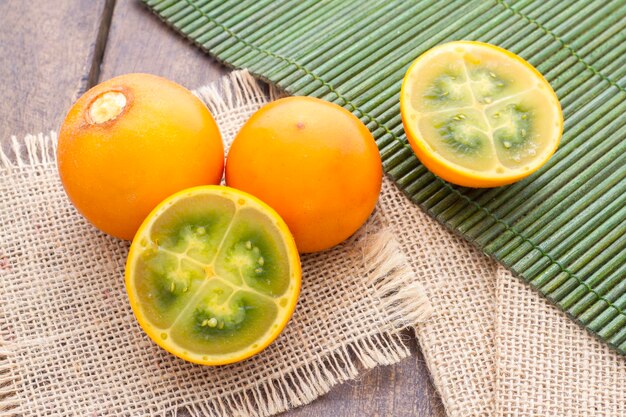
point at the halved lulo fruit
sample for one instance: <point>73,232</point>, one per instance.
<point>213,275</point>
<point>478,115</point>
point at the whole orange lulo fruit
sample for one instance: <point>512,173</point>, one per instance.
<point>312,161</point>
<point>130,142</point>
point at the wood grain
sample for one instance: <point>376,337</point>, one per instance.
<point>401,390</point>
<point>139,42</point>
<point>49,51</point>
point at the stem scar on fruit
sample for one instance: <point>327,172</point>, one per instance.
<point>108,106</point>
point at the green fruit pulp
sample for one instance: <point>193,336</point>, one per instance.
<point>483,110</point>
<point>212,276</point>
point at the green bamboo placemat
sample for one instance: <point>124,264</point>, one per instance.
<point>563,229</point>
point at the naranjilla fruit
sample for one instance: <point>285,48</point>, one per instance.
<point>478,115</point>
<point>213,275</point>
<point>131,141</point>
<point>314,162</point>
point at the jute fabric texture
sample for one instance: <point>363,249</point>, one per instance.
<point>493,345</point>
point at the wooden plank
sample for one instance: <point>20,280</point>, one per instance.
<point>401,390</point>
<point>49,53</point>
<point>139,42</point>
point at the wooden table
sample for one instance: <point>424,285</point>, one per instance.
<point>53,51</point>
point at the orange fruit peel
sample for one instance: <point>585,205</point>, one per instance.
<point>314,162</point>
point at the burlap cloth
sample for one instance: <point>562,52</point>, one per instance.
<point>70,346</point>
<point>494,346</point>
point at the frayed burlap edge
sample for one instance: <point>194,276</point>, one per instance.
<point>237,89</point>
<point>390,278</point>
<point>8,379</point>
